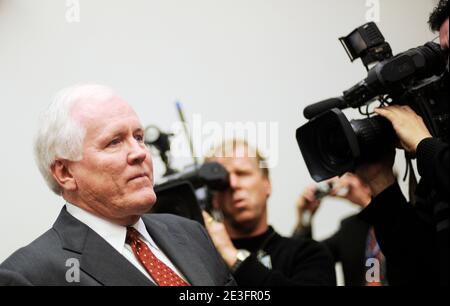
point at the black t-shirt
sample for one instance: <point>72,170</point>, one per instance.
<point>293,261</point>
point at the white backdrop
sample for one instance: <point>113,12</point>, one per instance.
<point>226,60</point>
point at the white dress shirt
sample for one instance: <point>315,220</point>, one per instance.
<point>116,234</point>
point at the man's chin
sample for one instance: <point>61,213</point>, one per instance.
<point>244,218</point>
<point>143,200</point>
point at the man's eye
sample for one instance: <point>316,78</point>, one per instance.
<point>114,142</point>
<point>240,173</point>
<point>139,138</point>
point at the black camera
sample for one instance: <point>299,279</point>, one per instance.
<point>184,193</point>
<point>189,192</point>
<point>332,145</point>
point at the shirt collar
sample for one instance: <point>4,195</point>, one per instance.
<point>113,233</point>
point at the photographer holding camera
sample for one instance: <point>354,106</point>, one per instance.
<point>256,254</point>
<point>414,239</point>
<point>353,244</point>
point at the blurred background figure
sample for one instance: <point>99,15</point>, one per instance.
<point>354,244</point>
<point>255,252</point>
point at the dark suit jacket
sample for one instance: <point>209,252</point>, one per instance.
<point>43,262</point>
<point>348,246</point>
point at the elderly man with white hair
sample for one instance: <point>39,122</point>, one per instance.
<point>90,149</point>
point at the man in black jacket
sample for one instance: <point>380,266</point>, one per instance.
<point>256,254</point>
<point>414,239</point>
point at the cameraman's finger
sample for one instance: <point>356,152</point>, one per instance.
<point>386,112</point>
<point>305,200</point>
<point>207,219</point>
<point>395,111</point>
<point>309,192</point>
<point>333,180</point>
<point>309,196</point>
<point>314,206</point>
<point>353,180</point>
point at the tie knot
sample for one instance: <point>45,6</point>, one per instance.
<point>132,235</point>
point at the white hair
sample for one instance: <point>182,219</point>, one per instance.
<point>59,136</point>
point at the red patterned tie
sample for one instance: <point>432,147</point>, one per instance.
<point>161,273</point>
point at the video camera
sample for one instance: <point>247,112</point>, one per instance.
<point>332,145</point>
<point>184,193</point>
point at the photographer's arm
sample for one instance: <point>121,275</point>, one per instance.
<point>433,164</point>
<point>307,205</point>
<point>348,187</point>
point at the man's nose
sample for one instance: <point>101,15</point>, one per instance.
<point>138,153</point>
<point>234,181</point>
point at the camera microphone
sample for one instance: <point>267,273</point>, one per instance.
<point>315,109</point>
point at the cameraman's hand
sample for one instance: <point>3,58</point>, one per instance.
<point>221,239</point>
<point>409,126</point>
<point>378,176</point>
<point>307,202</point>
<point>358,192</point>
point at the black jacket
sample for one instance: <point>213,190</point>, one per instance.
<point>295,262</point>
<point>414,239</point>
<point>347,246</point>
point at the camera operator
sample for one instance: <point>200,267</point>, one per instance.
<point>414,239</point>
<point>354,242</point>
<point>256,254</point>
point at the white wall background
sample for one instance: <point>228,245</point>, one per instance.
<point>228,60</point>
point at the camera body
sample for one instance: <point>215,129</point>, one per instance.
<point>184,193</point>
<point>179,193</point>
<point>332,145</point>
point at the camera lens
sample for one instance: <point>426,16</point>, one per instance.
<point>333,147</point>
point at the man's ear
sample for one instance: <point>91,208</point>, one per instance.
<point>62,174</point>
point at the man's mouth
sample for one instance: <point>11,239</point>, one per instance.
<point>139,176</point>
<point>239,202</point>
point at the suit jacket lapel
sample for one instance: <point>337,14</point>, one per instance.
<point>98,259</point>
<point>179,251</point>
<point>104,263</point>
